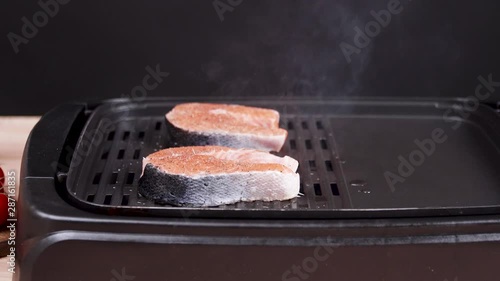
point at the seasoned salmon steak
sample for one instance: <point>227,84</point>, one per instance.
<point>228,125</point>
<point>202,176</point>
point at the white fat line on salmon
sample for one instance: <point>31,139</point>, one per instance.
<point>218,111</point>
<point>214,175</point>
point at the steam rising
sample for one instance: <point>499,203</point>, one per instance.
<point>291,53</point>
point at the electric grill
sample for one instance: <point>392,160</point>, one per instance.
<point>81,217</point>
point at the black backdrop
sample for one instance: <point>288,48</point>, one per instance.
<point>100,49</point>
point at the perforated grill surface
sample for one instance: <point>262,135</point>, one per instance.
<point>114,167</point>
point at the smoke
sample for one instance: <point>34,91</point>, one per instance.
<point>290,48</point>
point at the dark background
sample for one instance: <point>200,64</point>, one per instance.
<point>95,50</point>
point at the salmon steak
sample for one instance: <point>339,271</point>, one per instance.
<point>228,125</point>
<point>203,176</point>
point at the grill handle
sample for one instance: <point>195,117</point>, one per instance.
<point>52,141</point>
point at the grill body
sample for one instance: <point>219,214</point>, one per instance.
<point>79,198</point>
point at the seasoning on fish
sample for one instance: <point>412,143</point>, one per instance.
<point>234,126</point>
<point>203,176</point>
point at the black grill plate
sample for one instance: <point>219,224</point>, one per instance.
<point>344,148</point>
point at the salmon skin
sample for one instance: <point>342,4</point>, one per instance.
<point>227,125</point>
<point>203,176</point>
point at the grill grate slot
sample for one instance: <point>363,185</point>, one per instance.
<point>130,178</point>
<point>137,153</point>
<point>312,165</point>
<point>335,189</point>
<point>107,199</point>
<point>121,153</point>
<point>324,145</point>
<point>126,135</point>
<point>115,179</point>
<point>97,178</point>
<point>329,166</point>
<point>317,189</point>
<point>140,136</point>
<point>105,155</point>
<point>125,200</point>
<point>308,144</point>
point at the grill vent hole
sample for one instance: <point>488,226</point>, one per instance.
<point>312,165</point>
<point>141,135</point>
<point>324,145</point>
<point>105,155</point>
<point>293,145</point>
<point>125,200</point>
<point>335,189</point>
<point>107,199</point>
<point>111,136</point>
<point>97,178</point>
<point>90,198</point>
<point>158,126</point>
<point>304,125</point>
<point>126,135</point>
<point>308,144</point>
<point>137,153</point>
<point>319,125</point>
<point>114,178</point>
<point>301,189</point>
<point>317,189</point>
<point>130,178</point>
<point>328,165</point>
<point>290,126</point>
<point>121,153</point>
